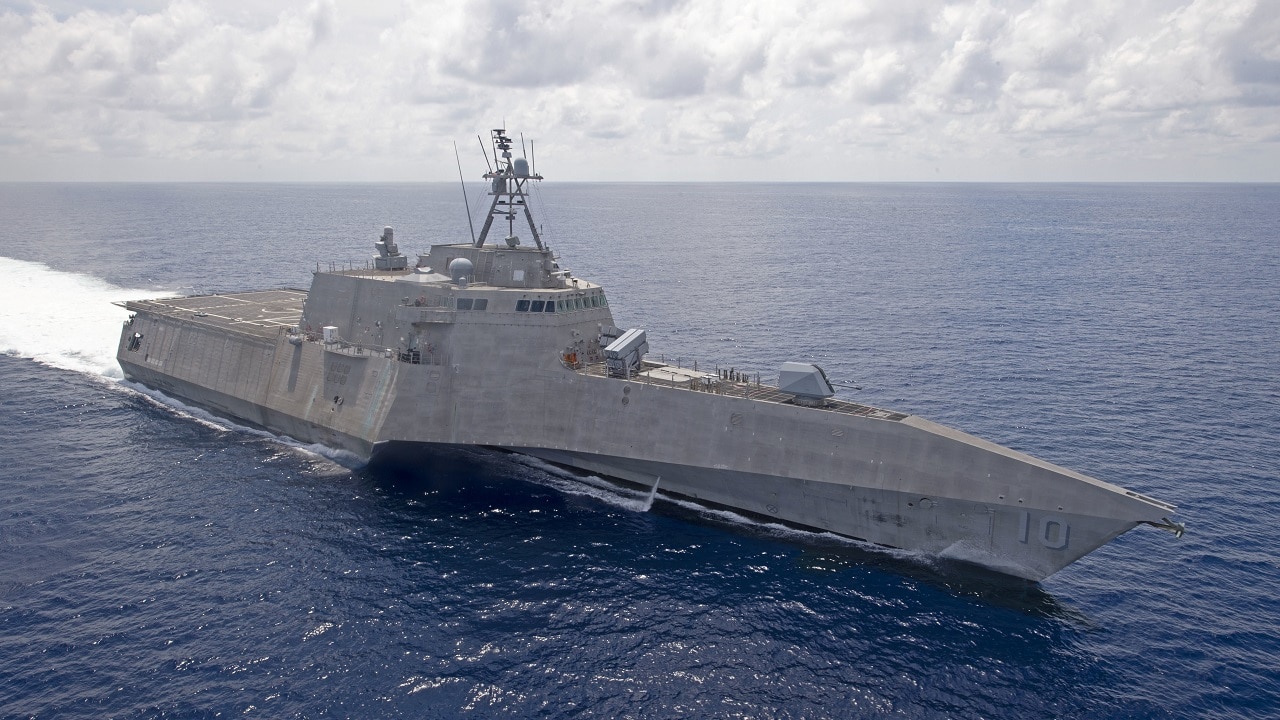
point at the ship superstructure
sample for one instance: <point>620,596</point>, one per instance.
<point>495,344</point>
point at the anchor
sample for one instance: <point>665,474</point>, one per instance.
<point>1176,528</point>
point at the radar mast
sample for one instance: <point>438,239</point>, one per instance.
<point>508,186</point>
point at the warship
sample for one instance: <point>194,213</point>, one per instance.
<point>494,343</point>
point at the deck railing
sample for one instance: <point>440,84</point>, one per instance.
<point>744,388</point>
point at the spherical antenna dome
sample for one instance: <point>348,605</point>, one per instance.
<point>460,269</point>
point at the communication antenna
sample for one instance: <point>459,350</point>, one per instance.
<point>465,201</point>
<point>509,185</point>
<point>533,159</point>
<point>484,152</point>
<point>523,151</point>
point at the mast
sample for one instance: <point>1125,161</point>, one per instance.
<point>508,186</point>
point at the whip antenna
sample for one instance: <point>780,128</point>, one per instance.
<point>483,152</point>
<point>465,201</point>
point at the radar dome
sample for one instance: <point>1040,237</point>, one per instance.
<point>521,166</point>
<point>460,269</point>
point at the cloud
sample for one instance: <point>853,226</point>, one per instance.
<point>1253,56</point>
<point>513,43</point>
<point>740,89</point>
<point>129,84</point>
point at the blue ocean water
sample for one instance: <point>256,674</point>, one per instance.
<point>156,562</point>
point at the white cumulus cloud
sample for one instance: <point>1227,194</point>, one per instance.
<point>733,89</point>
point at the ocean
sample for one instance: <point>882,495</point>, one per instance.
<point>158,562</point>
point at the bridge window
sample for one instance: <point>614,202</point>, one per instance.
<point>551,307</point>
<point>536,306</point>
<point>522,306</point>
<point>464,303</point>
<point>481,304</point>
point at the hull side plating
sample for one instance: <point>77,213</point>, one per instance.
<point>901,482</point>
<point>496,345</point>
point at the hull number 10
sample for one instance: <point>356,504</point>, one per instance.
<point>1053,532</point>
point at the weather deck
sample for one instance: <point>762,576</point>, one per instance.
<point>683,378</point>
<point>262,312</point>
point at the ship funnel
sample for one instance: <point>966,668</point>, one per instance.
<point>806,384</point>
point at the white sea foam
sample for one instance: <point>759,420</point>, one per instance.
<point>591,486</point>
<point>201,416</point>
<point>67,320</point>
<point>61,319</point>
<point>640,501</point>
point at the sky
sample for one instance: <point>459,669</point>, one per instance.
<point>642,90</point>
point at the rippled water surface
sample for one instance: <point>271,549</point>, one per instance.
<point>157,562</point>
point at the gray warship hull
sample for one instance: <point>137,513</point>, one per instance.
<point>494,344</point>
<point>502,378</point>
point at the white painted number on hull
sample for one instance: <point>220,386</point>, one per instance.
<point>1054,532</point>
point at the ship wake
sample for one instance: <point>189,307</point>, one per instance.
<point>592,486</point>
<point>614,493</point>
<point>172,405</point>
<point>61,319</point>
<point>67,321</point>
